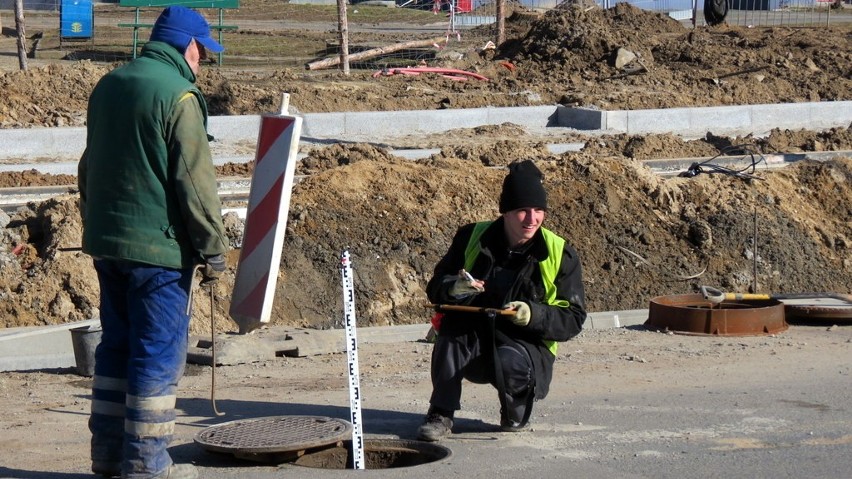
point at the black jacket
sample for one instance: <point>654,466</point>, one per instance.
<point>524,283</point>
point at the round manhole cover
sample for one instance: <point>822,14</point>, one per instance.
<point>819,309</point>
<point>274,435</point>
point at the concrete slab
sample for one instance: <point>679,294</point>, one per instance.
<point>48,347</point>
<point>236,133</point>
<point>269,343</point>
<point>724,120</point>
<point>39,347</point>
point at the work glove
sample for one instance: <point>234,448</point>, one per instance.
<point>465,286</point>
<point>212,269</point>
<point>522,312</point>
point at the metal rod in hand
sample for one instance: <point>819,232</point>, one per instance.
<point>472,309</point>
<point>213,349</point>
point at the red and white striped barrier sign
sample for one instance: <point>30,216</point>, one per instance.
<point>266,221</point>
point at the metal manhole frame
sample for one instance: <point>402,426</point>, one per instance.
<point>692,314</point>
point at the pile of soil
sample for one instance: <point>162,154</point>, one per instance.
<point>640,235</point>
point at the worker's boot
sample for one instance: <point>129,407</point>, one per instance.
<point>107,469</point>
<point>437,425</point>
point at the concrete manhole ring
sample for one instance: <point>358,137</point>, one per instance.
<point>274,438</point>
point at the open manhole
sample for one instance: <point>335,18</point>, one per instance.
<point>378,454</point>
<point>692,314</point>
<point>312,441</point>
<point>274,439</point>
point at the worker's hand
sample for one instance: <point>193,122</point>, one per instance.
<point>466,286</point>
<point>522,312</point>
<point>212,270</point>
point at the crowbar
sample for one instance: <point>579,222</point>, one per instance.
<point>472,309</point>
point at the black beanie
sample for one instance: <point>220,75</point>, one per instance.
<point>522,188</point>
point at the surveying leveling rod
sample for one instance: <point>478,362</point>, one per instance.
<point>352,360</point>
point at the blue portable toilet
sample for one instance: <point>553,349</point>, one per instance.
<point>76,20</point>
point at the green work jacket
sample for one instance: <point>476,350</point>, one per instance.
<point>148,189</point>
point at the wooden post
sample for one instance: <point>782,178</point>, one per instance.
<point>343,31</point>
<point>22,34</point>
<point>501,22</point>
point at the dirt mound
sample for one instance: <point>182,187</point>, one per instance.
<point>50,96</point>
<point>639,235</point>
<point>574,36</point>
<point>574,48</point>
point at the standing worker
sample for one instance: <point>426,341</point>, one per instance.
<point>151,212</point>
<point>510,263</point>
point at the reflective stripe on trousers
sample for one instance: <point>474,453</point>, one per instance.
<point>138,363</point>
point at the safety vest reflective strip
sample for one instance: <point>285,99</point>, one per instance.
<point>549,267</point>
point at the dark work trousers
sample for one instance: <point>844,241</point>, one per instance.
<point>468,356</point>
<point>138,364</point>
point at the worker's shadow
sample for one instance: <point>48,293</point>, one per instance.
<point>375,421</point>
<point>8,472</point>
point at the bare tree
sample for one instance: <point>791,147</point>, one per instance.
<point>22,35</point>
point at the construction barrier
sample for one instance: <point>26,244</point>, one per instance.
<point>266,221</point>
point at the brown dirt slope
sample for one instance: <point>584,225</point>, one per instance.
<point>639,235</point>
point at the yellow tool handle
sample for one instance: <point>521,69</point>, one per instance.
<point>747,297</point>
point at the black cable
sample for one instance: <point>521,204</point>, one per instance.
<point>708,167</point>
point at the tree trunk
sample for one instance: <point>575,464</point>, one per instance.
<point>374,52</point>
<point>501,22</point>
<point>22,35</point>
<point>343,35</point>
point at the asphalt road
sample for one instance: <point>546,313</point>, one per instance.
<point>625,403</point>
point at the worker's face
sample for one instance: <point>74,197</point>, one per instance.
<point>195,54</point>
<point>521,224</point>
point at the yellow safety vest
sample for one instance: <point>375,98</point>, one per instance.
<point>549,267</point>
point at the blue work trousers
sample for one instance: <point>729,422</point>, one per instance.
<point>138,363</point>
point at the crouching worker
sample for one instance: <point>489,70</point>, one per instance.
<point>510,263</point>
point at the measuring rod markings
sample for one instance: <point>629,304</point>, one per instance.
<point>352,360</point>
